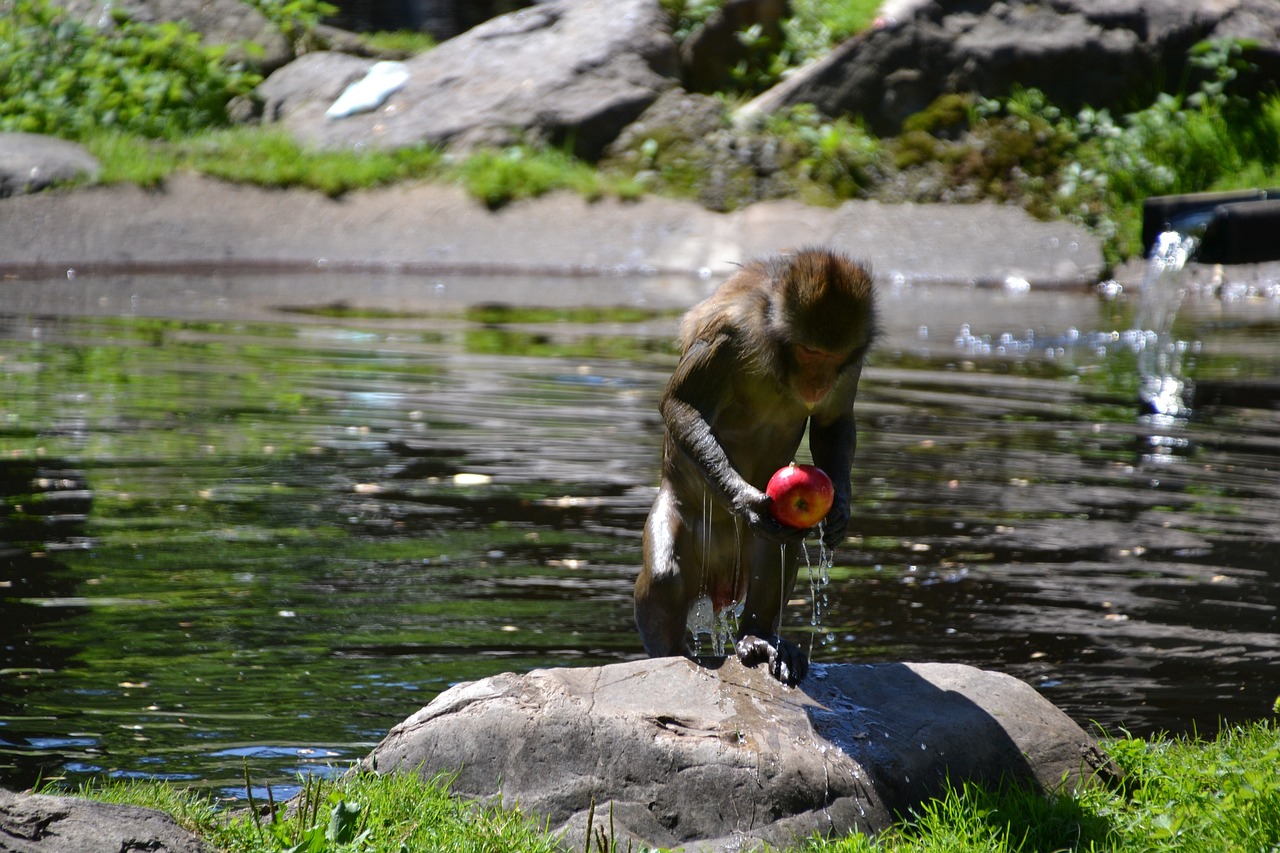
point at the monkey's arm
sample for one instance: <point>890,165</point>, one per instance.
<point>689,405</point>
<point>832,445</point>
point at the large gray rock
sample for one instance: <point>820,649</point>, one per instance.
<point>725,758</point>
<point>37,823</point>
<point>30,162</point>
<point>1115,54</point>
<point>567,72</point>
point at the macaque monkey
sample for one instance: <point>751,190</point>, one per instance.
<point>778,347</point>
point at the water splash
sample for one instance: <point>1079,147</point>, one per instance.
<point>704,624</point>
<point>1162,387</point>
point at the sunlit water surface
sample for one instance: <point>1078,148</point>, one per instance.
<point>247,525</point>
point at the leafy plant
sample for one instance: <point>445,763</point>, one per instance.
<point>1093,167</point>
<point>297,19</point>
<point>828,159</point>
<point>516,172</point>
<point>59,77</point>
<point>1207,140</point>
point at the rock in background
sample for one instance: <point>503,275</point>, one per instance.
<point>572,73</point>
<point>670,753</point>
<point>1114,54</point>
<point>31,162</point>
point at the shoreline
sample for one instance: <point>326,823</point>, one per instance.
<point>198,225</point>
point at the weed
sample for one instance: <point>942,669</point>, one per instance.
<point>59,77</point>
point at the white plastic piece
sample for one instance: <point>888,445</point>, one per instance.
<point>369,92</point>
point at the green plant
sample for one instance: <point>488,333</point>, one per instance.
<point>1093,167</point>
<point>59,77</point>
<point>688,15</point>
<point>809,32</point>
<point>827,159</point>
<point>399,43</point>
<point>816,25</point>
<point>498,177</point>
<point>297,19</point>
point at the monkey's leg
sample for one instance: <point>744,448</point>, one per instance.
<point>662,590</point>
<point>773,574</point>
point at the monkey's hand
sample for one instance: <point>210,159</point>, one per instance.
<point>756,511</point>
<point>787,662</point>
<point>836,524</point>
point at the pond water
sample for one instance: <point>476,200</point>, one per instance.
<point>248,526</point>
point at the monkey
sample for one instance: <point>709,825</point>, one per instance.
<point>776,349</point>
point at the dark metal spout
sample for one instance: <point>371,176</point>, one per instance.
<point>1241,227</point>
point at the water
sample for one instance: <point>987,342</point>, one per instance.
<point>1161,386</point>
<point>246,523</point>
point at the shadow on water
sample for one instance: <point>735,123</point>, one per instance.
<point>245,521</point>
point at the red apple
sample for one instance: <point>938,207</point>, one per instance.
<point>802,495</point>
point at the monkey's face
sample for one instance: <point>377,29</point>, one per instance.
<point>814,372</point>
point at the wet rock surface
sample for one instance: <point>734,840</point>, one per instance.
<point>37,823</point>
<point>723,757</point>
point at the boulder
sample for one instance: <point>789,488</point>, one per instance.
<point>30,162</point>
<point>721,757</point>
<point>229,23</point>
<point>570,72</point>
<point>1113,54</point>
<point>38,823</point>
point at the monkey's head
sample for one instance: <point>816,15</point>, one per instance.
<point>822,317</point>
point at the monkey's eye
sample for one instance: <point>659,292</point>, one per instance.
<point>809,354</point>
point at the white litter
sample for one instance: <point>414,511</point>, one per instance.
<point>369,92</point>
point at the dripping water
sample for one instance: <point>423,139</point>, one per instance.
<point>819,581</point>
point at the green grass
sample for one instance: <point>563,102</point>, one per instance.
<point>270,157</point>
<point>264,157</point>
<point>358,812</point>
<point>497,177</point>
<point>1184,794</point>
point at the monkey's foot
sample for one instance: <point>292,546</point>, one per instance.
<point>787,662</point>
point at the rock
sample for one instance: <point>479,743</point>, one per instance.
<point>219,22</point>
<point>1114,54</point>
<point>569,72</point>
<point>30,162</point>
<point>37,823</point>
<point>673,753</point>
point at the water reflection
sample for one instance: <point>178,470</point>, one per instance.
<point>269,527</point>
